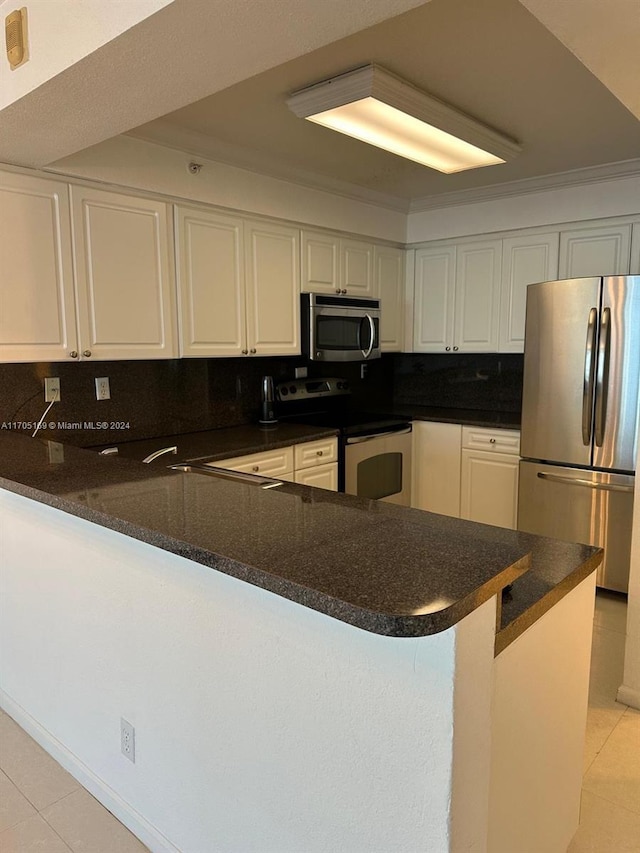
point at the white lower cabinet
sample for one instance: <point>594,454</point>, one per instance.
<point>466,472</point>
<point>489,476</point>
<point>322,477</point>
<point>436,467</point>
<point>312,463</point>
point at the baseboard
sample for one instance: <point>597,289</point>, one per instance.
<point>110,799</point>
<point>629,696</point>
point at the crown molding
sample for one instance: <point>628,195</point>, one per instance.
<point>251,160</point>
<point>558,180</point>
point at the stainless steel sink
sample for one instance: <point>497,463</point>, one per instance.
<point>226,474</point>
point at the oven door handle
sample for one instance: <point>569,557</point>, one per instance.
<point>372,331</point>
<point>390,432</point>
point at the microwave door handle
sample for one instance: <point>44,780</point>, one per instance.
<point>372,331</point>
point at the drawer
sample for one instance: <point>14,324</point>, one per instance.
<point>499,440</point>
<point>315,453</point>
<point>273,463</point>
<point>320,476</point>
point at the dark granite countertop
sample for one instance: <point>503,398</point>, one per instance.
<point>213,444</point>
<point>387,569</point>
<point>466,417</point>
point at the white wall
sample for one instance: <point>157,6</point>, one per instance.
<point>138,164</point>
<point>601,199</point>
<point>61,33</point>
<point>260,725</point>
<point>629,692</point>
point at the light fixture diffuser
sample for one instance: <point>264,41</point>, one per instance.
<point>377,107</point>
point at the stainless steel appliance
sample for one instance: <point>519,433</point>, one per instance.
<point>340,328</point>
<point>580,416</point>
<point>374,450</point>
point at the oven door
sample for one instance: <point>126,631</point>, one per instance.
<point>378,466</point>
<point>344,334</point>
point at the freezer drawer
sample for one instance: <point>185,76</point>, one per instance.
<point>581,506</point>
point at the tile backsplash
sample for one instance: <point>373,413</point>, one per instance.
<point>150,398</point>
<point>167,397</point>
<point>487,381</point>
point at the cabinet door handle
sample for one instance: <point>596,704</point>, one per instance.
<point>338,290</point>
<point>245,352</point>
<point>73,353</point>
<point>253,351</point>
<point>86,353</point>
<point>344,291</point>
<point>448,349</point>
<point>455,349</point>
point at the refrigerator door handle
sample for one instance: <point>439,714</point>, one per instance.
<point>602,376</point>
<point>577,481</point>
<point>589,373</point>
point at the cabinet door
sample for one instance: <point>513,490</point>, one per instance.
<point>320,263</point>
<point>211,293</point>
<point>434,299</point>
<point>322,477</point>
<point>588,252</point>
<point>272,256</point>
<point>37,313</point>
<point>389,288</point>
<point>126,295</point>
<point>634,268</point>
<point>436,467</point>
<point>477,300</point>
<point>525,260</point>
<point>489,488</point>
<point>356,267</point>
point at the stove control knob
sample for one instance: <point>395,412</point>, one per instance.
<point>345,386</point>
<point>284,392</point>
<point>318,355</point>
<point>338,385</point>
<point>293,389</point>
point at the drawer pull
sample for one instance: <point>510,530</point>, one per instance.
<point>319,452</point>
<point>492,441</point>
<point>256,468</point>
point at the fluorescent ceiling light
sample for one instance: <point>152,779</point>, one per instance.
<point>377,107</point>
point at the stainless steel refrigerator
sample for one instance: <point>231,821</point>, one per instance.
<point>580,416</point>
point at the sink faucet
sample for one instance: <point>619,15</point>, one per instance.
<point>157,453</point>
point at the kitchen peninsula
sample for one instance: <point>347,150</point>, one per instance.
<point>304,669</point>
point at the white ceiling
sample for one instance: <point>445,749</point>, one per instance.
<point>492,59</point>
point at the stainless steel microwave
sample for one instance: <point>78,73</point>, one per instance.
<point>340,328</point>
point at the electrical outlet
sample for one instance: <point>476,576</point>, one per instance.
<point>51,389</point>
<point>103,392</point>
<point>300,372</point>
<point>127,740</point>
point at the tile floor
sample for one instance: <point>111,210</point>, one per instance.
<point>43,809</point>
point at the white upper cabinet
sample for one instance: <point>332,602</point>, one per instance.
<point>478,268</point>
<point>320,263</point>
<point>238,285</point>
<point>124,278</point>
<point>211,291</point>
<point>434,299</point>
<point>635,249</point>
<point>272,261</point>
<point>356,263</point>
<point>601,250</point>
<point>389,288</point>
<point>37,311</point>
<point>525,260</point>
<point>457,292</point>
<point>334,264</point>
